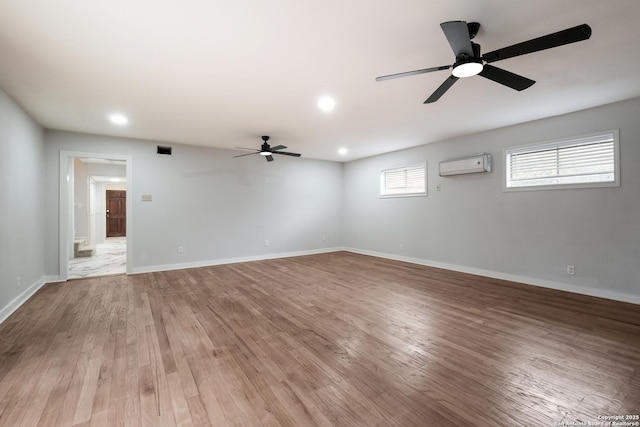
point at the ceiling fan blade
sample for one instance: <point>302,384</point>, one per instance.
<point>457,33</point>
<point>243,148</point>
<point>248,154</point>
<point>412,73</point>
<point>560,38</point>
<point>507,78</point>
<point>269,158</point>
<point>278,147</point>
<point>441,90</point>
<point>286,153</point>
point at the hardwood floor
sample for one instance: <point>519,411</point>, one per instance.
<point>332,339</point>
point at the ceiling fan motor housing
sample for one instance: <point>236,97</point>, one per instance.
<point>265,149</point>
<point>473,27</point>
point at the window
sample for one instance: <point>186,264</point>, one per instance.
<point>402,182</point>
<point>587,161</point>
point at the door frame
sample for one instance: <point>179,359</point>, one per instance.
<point>65,234</point>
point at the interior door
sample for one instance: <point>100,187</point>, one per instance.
<point>116,213</point>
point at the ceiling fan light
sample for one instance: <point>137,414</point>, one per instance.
<point>467,69</point>
<point>265,153</point>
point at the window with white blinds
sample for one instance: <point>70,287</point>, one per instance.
<point>405,181</point>
<point>587,161</point>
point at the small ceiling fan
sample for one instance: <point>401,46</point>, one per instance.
<point>469,62</point>
<point>267,151</point>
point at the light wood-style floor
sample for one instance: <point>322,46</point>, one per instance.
<point>333,339</point>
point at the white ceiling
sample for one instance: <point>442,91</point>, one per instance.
<point>221,74</point>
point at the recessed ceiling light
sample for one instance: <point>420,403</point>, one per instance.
<point>326,104</point>
<point>343,151</point>
<point>118,119</point>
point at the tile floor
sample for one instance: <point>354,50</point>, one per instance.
<point>110,258</point>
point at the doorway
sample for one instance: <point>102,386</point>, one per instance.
<point>95,214</point>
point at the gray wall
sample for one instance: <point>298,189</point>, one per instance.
<point>220,208</point>
<point>215,206</point>
<point>80,199</point>
<point>100,169</point>
<point>21,202</point>
<point>472,225</point>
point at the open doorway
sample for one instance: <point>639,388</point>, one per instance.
<point>95,215</point>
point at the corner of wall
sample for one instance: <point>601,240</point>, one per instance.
<point>9,309</point>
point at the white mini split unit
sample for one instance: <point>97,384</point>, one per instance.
<point>479,163</point>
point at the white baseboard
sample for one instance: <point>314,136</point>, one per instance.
<point>10,308</point>
<point>568,287</point>
<point>208,263</point>
<point>15,304</point>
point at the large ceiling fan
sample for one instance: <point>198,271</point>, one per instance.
<point>469,62</point>
<point>266,150</point>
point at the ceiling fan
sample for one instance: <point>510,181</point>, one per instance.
<point>267,151</point>
<point>469,62</point>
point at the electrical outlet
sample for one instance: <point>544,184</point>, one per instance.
<point>324,237</point>
<point>180,249</point>
<point>266,243</point>
<point>19,282</point>
<point>438,187</point>
<point>571,270</point>
<point>402,246</point>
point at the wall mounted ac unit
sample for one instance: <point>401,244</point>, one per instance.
<point>474,164</point>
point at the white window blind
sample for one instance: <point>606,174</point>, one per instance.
<point>405,181</point>
<point>585,161</point>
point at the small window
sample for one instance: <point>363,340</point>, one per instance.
<point>403,182</point>
<point>587,161</point>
